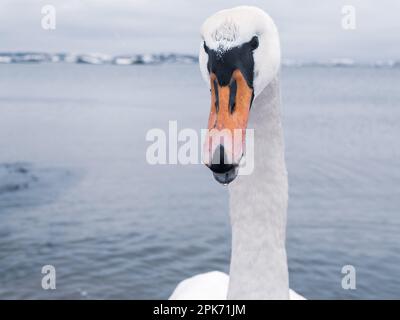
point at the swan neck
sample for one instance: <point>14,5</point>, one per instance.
<point>258,206</point>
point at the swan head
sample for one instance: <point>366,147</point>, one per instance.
<point>239,57</point>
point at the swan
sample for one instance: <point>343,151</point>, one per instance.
<point>240,61</point>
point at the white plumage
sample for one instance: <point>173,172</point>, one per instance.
<point>210,286</point>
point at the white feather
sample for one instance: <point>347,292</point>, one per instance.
<point>210,286</point>
<point>231,28</point>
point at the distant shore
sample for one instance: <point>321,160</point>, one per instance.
<point>161,58</point>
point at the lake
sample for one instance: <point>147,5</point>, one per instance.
<point>76,191</point>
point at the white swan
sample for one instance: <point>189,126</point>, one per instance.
<point>240,60</point>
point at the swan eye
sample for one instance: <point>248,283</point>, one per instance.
<point>254,43</point>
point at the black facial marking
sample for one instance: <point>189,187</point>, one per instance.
<point>232,96</point>
<point>205,47</point>
<point>216,96</point>
<point>223,64</point>
<point>252,98</point>
<point>254,43</point>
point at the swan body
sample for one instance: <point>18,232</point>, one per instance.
<point>210,286</point>
<point>240,61</point>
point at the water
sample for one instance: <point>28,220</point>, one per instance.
<point>76,191</point>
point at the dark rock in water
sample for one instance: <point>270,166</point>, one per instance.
<point>22,170</point>
<point>24,184</point>
<point>15,177</point>
<point>13,187</point>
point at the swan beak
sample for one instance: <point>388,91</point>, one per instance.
<point>225,141</point>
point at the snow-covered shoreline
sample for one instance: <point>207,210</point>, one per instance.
<point>166,58</point>
<point>94,58</point>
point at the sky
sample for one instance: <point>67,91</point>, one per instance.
<point>309,29</point>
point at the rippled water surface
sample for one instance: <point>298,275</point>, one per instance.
<point>76,191</point>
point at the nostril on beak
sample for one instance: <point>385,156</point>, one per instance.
<point>218,163</point>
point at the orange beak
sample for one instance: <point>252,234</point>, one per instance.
<point>227,123</point>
